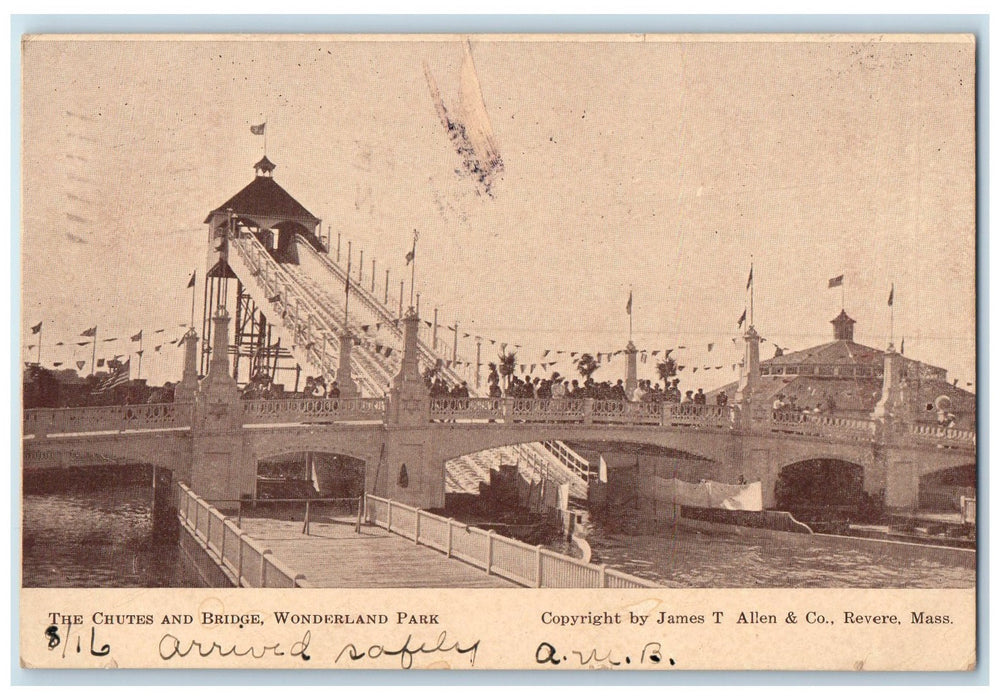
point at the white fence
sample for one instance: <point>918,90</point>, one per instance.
<point>245,560</point>
<point>511,559</point>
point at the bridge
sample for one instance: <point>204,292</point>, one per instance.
<point>413,446</point>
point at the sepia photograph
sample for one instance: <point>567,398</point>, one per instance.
<point>643,312</point>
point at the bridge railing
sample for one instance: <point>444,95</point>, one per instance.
<point>313,410</point>
<point>816,424</point>
<point>590,411</point>
<point>939,434</point>
<point>246,561</point>
<point>528,565</point>
<point>151,416</point>
<point>699,415</point>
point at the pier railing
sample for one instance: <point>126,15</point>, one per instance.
<point>246,561</point>
<point>41,422</point>
<point>532,566</point>
<point>312,410</point>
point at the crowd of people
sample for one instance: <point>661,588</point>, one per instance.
<point>262,386</point>
<point>558,387</point>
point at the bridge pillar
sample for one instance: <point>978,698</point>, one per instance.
<point>164,510</point>
<point>409,470</point>
<point>409,398</point>
<point>188,387</point>
<point>631,379</point>
<point>223,467</point>
<point>902,485</point>
<point>348,388</point>
<point>749,375</point>
<point>893,404</point>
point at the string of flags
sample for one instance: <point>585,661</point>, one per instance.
<point>92,333</point>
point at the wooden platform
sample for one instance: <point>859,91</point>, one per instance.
<point>333,555</point>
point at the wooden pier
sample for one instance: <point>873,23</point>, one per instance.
<point>333,555</point>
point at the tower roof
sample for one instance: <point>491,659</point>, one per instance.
<point>843,327</point>
<point>265,198</point>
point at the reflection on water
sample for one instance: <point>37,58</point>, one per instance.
<point>684,558</point>
<point>94,530</point>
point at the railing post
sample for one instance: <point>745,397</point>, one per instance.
<point>489,552</point>
<point>388,516</point>
<point>208,531</point>
<point>239,563</point>
<point>588,411</point>
<point>604,575</point>
<point>222,546</point>
<point>448,552</point>
<point>416,530</point>
<point>263,567</point>
<point>197,513</point>
<point>538,566</point>
<point>305,522</point>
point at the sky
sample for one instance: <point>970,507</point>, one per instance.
<point>660,165</point>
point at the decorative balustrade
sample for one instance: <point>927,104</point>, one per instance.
<point>628,412</point>
<point>699,415</point>
<point>55,421</point>
<point>816,424</point>
<point>939,434</point>
<point>90,419</point>
<point>528,565</point>
<point>313,410</point>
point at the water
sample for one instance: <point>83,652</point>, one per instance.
<point>684,558</point>
<point>92,528</point>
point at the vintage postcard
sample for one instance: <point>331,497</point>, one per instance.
<point>640,352</point>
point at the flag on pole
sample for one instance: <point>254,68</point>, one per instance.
<point>892,291</point>
<point>750,278</point>
<point>602,471</point>
<point>191,281</point>
<point>90,333</point>
<point>902,345</point>
<point>258,129</point>
<point>118,376</point>
<point>742,319</point>
<point>413,251</point>
<point>137,337</point>
<point>628,306</point>
<point>37,328</point>
<point>837,281</point>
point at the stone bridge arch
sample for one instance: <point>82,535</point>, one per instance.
<point>942,489</point>
<point>359,442</point>
<point>827,483</point>
<point>457,440</point>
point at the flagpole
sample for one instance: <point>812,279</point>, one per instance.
<point>347,285</point>
<point>892,312</point>
<point>751,291</point>
<point>138,369</point>
<point>193,288</point>
<point>39,360</point>
<point>629,314</point>
<point>93,355</point>
<point>413,272</point>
